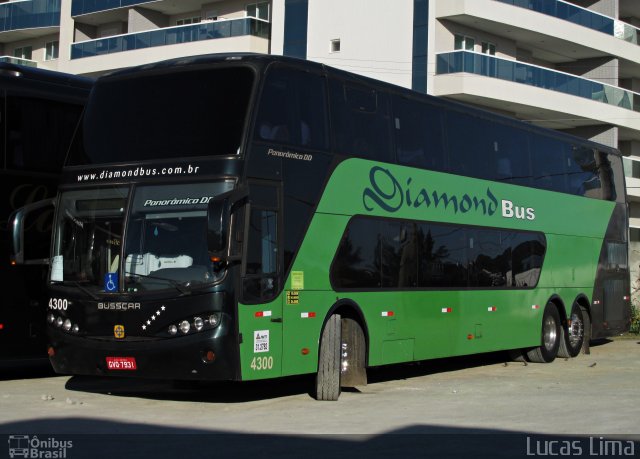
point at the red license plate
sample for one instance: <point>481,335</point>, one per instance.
<point>121,363</point>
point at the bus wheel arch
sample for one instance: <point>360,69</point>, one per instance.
<point>576,329</point>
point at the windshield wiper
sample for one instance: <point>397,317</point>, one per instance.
<point>182,287</point>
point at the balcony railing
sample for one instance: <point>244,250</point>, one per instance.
<point>19,61</point>
<point>171,36</point>
<point>79,7</point>
<point>29,14</point>
<point>532,75</point>
<point>581,16</point>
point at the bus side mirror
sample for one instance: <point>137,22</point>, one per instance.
<point>17,228</point>
<point>218,213</point>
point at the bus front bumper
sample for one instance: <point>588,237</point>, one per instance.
<point>196,357</point>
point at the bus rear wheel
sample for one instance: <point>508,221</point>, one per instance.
<point>551,336</point>
<point>574,336</point>
<point>328,377</point>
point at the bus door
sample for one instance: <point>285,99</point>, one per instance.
<point>262,282</point>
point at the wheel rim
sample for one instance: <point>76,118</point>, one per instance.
<point>550,333</point>
<point>576,330</point>
<point>344,358</point>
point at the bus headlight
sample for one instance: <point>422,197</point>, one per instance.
<point>214,320</point>
<point>59,321</point>
<point>194,324</point>
<point>66,325</point>
<point>51,318</point>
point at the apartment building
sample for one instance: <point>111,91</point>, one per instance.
<point>92,37</point>
<point>572,65</point>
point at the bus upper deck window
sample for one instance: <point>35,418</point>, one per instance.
<point>292,109</point>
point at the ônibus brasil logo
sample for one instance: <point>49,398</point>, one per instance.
<point>34,447</point>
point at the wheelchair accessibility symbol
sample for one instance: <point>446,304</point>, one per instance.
<point>111,282</point>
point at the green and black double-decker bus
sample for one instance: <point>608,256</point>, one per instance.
<point>241,217</point>
<point>39,113</point>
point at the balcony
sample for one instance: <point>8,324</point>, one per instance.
<point>171,36</point>
<point>18,61</point>
<point>580,16</point>
<point>29,14</point>
<point>532,75</point>
<point>80,7</point>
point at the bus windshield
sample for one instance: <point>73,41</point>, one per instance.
<point>88,235</point>
<point>203,115</point>
<point>165,247</point>
<point>166,237</point>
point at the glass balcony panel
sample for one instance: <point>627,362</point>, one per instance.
<point>567,12</point>
<point>80,7</point>
<point>174,35</point>
<point>520,72</point>
<point>19,61</point>
<point>143,40</point>
<point>29,14</point>
<point>156,38</point>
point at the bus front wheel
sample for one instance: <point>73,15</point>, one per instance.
<point>328,377</point>
<point>550,337</point>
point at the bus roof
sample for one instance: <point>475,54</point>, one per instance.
<point>15,71</point>
<point>263,60</point>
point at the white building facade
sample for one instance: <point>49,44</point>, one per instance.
<point>568,65</point>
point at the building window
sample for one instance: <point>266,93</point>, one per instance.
<point>211,15</point>
<point>258,10</point>
<point>335,45</point>
<point>52,50</point>
<point>464,42</point>
<point>631,168</point>
<point>296,18</point>
<point>188,21</point>
<point>24,52</point>
<point>488,48</point>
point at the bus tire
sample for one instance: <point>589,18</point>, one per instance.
<point>551,335</point>
<point>574,335</point>
<point>328,377</point>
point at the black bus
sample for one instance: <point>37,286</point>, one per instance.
<point>39,112</point>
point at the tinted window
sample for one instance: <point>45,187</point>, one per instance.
<point>443,258</point>
<point>549,158</point>
<point>360,121</point>
<point>527,253</point>
<point>512,163</point>
<point>169,115</point>
<point>292,109</point>
<point>472,149</point>
<point>489,258</point>
<point>612,176</point>
<point>582,172</point>
<point>260,279</point>
<point>38,133</point>
<point>357,263</point>
<point>408,254</point>
<point>419,134</point>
